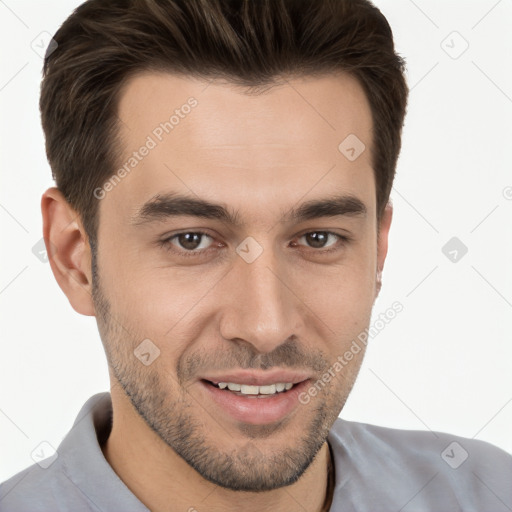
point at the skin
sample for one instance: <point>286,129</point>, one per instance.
<point>291,308</point>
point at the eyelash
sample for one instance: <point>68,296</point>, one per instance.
<point>168,246</point>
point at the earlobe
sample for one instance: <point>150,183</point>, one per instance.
<point>382,244</point>
<point>68,250</point>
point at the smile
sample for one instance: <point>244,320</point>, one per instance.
<point>244,389</point>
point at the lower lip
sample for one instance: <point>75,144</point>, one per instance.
<point>253,409</point>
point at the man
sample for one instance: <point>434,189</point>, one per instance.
<point>223,173</point>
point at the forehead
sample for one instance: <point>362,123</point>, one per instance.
<point>215,141</point>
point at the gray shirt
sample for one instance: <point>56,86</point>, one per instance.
<point>377,470</point>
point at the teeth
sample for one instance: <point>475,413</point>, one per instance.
<point>268,390</point>
<point>249,390</point>
<point>244,389</point>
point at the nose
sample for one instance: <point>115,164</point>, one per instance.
<point>259,305</point>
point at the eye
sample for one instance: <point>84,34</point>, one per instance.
<point>198,243</point>
<point>190,243</point>
<point>322,239</point>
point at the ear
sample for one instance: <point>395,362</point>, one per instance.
<point>68,250</point>
<point>382,244</point>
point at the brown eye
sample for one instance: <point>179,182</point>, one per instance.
<point>319,239</point>
<point>188,243</point>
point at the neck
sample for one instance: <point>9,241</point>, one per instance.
<point>162,480</point>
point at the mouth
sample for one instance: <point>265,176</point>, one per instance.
<point>247,390</point>
<point>251,403</point>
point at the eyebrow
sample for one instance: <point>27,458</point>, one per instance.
<point>163,206</point>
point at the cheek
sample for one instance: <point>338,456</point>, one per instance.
<point>162,304</point>
<point>342,295</point>
<point>346,312</point>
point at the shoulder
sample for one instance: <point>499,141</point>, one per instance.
<point>466,473</point>
<point>56,482</point>
<point>429,445</point>
<point>39,488</point>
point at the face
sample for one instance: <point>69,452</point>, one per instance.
<point>266,285</point>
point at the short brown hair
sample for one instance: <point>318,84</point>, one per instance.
<point>251,43</point>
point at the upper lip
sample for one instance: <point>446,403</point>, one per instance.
<point>257,378</point>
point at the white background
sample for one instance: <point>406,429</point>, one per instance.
<point>444,363</point>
